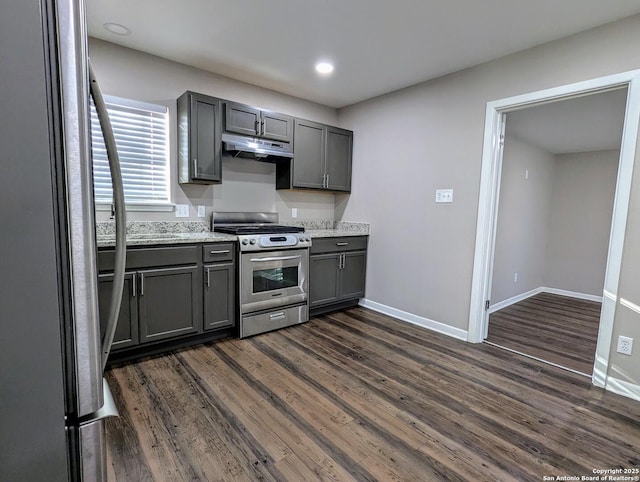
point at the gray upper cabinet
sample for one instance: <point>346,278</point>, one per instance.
<point>338,159</point>
<point>309,155</point>
<point>199,139</point>
<point>247,120</point>
<point>322,159</point>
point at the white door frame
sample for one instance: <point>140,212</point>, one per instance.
<point>489,192</point>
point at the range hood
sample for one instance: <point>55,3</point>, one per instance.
<point>254,148</point>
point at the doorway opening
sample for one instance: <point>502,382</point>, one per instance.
<point>491,175</point>
<point>555,204</point>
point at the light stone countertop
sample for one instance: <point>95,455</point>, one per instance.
<point>163,233</point>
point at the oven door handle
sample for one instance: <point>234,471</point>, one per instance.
<point>276,258</point>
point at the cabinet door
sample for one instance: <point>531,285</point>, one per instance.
<point>169,302</point>
<point>219,296</point>
<point>276,126</point>
<point>353,274</point>
<point>206,139</point>
<point>127,328</point>
<point>323,279</point>
<point>308,155</point>
<point>338,159</point>
<point>242,119</point>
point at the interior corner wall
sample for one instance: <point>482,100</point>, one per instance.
<point>411,142</point>
<point>246,184</point>
<point>523,218</point>
<point>582,199</point>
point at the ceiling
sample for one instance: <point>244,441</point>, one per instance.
<point>377,46</point>
<point>590,123</point>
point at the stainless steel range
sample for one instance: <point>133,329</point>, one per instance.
<point>274,267</point>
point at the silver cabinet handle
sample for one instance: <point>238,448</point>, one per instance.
<point>221,251</point>
<point>327,186</point>
<point>324,179</point>
<point>141,284</point>
<point>258,126</point>
<point>264,127</point>
<point>134,286</point>
<point>208,278</point>
<point>276,258</point>
<point>195,167</point>
<point>342,244</point>
<point>277,316</point>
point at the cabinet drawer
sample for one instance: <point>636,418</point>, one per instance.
<point>212,253</point>
<point>343,243</point>
<point>150,257</point>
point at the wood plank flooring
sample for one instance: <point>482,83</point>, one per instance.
<point>360,396</point>
<point>554,328</point>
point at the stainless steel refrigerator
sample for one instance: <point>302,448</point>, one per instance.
<point>52,352</point>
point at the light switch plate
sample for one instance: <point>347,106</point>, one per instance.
<point>294,212</point>
<point>201,211</point>
<point>444,195</point>
<point>182,210</point>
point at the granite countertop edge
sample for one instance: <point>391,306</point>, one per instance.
<point>175,237</point>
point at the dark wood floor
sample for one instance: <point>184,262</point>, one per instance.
<point>554,328</point>
<point>361,396</point>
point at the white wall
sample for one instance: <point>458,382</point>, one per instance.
<point>247,185</point>
<point>579,229</point>
<point>429,136</point>
<point>523,218</point>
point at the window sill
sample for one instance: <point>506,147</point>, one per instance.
<point>149,207</point>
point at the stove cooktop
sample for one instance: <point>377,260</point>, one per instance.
<point>257,229</point>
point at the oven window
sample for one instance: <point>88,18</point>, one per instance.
<point>274,279</point>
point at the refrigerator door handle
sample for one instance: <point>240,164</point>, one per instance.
<point>120,214</point>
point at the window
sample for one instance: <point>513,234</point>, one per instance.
<point>142,137</point>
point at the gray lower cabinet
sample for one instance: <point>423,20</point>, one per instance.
<point>337,271</point>
<point>162,295</point>
<point>199,139</point>
<point>219,291</point>
<point>322,159</point>
<point>127,329</point>
<point>169,302</point>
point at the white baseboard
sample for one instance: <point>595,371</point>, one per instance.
<point>543,289</point>
<point>514,299</point>
<point>415,319</point>
<point>626,389</point>
<point>571,294</point>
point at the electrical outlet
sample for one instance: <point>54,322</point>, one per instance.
<point>625,345</point>
<point>201,211</point>
<point>294,212</point>
<point>515,277</point>
<point>182,210</point>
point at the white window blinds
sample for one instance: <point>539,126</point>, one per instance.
<point>141,131</point>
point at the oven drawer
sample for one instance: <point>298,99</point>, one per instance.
<point>213,253</point>
<point>343,243</point>
<point>273,320</point>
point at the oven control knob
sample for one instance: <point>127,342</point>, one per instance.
<point>253,241</point>
<point>245,242</point>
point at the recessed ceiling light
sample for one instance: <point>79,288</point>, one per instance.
<point>324,68</point>
<point>116,28</point>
